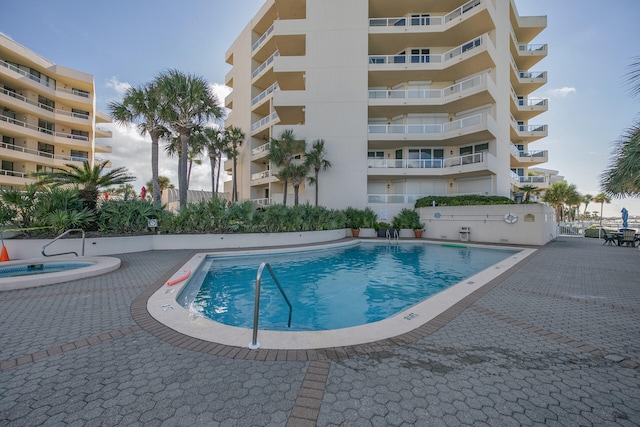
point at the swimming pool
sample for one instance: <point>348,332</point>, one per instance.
<point>40,268</point>
<point>333,288</point>
<point>28,273</point>
<point>162,306</point>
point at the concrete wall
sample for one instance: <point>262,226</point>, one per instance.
<point>535,224</point>
<point>31,248</point>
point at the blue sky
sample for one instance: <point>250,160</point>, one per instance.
<point>130,42</point>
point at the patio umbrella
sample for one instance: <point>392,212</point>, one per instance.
<point>625,217</point>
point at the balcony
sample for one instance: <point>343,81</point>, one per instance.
<point>22,153</point>
<point>525,82</point>
<point>528,158</point>
<point>29,76</point>
<point>262,68</point>
<point>27,129</point>
<point>528,133</point>
<point>453,64</point>
<point>260,152</point>
<point>263,177</point>
<point>467,165</point>
<point>264,94</point>
<point>457,131</point>
<point>262,39</point>
<point>103,133</point>
<point>14,178</point>
<point>261,124</point>
<point>527,108</point>
<point>407,199</point>
<point>469,93</point>
<point>528,55</point>
<point>411,29</point>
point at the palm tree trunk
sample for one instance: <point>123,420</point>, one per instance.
<point>212,161</point>
<point>317,172</point>
<point>218,176</point>
<point>296,190</point>
<point>157,195</point>
<point>284,198</point>
<point>234,190</point>
<point>182,169</point>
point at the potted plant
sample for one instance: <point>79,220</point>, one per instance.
<point>354,220</point>
<point>408,220</point>
<point>369,221</point>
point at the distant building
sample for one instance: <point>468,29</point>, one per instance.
<point>48,115</point>
<point>412,98</point>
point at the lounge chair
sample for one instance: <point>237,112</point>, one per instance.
<point>609,238</point>
<point>628,238</point>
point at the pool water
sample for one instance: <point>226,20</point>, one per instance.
<point>331,289</point>
<point>48,267</point>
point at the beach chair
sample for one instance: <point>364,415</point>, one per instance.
<point>628,238</point>
<point>609,238</point>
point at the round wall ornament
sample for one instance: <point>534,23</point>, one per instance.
<point>510,218</point>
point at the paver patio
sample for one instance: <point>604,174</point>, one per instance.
<point>555,341</point>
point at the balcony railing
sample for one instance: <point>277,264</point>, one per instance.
<point>261,175</point>
<point>532,74</point>
<point>265,64</point>
<point>426,93</point>
<point>530,128</point>
<point>28,75</point>
<point>43,106</point>
<point>265,93</point>
<point>25,125</point>
<point>5,172</point>
<point>520,153</point>
<point>262,38</point>
<point>436,128</point>
<point>424,59</point>
<point>261,149</point>
<point>466,159</point>
<point>41,153</point>
<point>532,179</point>
<point>261,202</point>
<point>524,47</point>
<point>264,121</point>
<point>425,20</point>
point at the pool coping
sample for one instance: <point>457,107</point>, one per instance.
<point>161,305</point>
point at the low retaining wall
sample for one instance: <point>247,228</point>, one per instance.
<point>31,248</point>
<point>524,224</point>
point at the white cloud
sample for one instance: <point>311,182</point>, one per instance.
<point>118,86</point>
<point>562,92</point>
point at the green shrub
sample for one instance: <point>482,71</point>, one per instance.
<point>468,200</point>
<point>408,218</point>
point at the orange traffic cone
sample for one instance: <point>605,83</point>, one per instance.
<point>4,256</point>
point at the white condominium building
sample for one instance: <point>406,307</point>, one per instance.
<point>48,116</point>
<point>412,98</point>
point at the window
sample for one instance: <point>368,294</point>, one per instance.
<point>425,157</point>
<point>420,19</point>
<point>79,156</point>
<point>79,134</point>
<point>80,92</point>
<point>7,165</point>
<point>45,149</point>
<point>46,127</point>
<point>375,159</point>
<point>419,55</point>
<point>46,103</point>
<point>79,113</point>
<point>8,140</point>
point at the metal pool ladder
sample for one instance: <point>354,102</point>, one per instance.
<point>64,234</point>
<point>254,342</point>
<point>394,237</point>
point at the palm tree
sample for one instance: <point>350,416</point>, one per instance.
<point>315,159</point>
<point>282,151</point>
<point>601,198</point>
<point>187,103</point>
<point>559,194</point>
<point>586,199</point>
<point>164,183</point>
<point>622,176</point>
<point>235,138</point>
<point>297,173</point>
<point>141,106</point>
<point>214,142</point>
<point>528,191</point>
<point>89,180</point>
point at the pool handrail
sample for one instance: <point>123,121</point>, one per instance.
<point>64,234</point>
<point>254,345</point>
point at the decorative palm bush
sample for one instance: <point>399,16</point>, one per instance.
<point>407,218</point>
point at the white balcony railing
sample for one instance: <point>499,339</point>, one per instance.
<point>425,59</point>
<point>466,159</point>
<point>265,93</point>
<point>42,153</point>
<point>426,93</point>
<point>261,175</point>
<point>5,172</point>
<point>265,120</point>
<point>538,75</point>
<point>529,154</point>
<point>261,202</point>
<point>425,20</point>
<point>539,48</point>
<point>264,65</point>
<point>28,75</point>
<point>436,128</point>
<point>262,38</point>
<point>261,149</point>
<point>532,179</point>
<point>43,106</point>
<point>25,125</point>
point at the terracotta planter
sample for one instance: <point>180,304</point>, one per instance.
<point>418,233</point>
<point>355,232</point>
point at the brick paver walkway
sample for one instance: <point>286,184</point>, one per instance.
<point>555,342</point>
